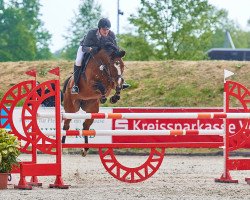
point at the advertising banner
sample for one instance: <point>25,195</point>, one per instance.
<point>76,124</point>
<point>141,124</point>
<point>173,124</point>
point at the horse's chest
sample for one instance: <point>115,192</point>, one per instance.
<point>106,81</point>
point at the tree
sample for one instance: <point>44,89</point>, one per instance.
<point>180,29</point>
<point>21,31</point>
<point>17,43</point>
<point>86,18</point>
<point>137,47</point>
<point>30,10</point>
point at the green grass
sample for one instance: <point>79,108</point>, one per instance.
<point>153,84</point>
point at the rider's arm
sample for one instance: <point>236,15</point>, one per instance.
<point>89,41</point>
<point>112,35</point>
<point>84,43</point>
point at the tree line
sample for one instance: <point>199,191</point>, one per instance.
<point>22,35</point>
<point>161,30</point>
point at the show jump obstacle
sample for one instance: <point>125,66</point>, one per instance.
<point>49,142</point>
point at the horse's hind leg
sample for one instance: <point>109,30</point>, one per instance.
<point>90,106</point>
<point>69,107</point>
<point>65,127</point>
<point>86,126</point>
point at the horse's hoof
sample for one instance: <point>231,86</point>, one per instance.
<point>114,99</point>
<point>84,153</point>
<point>103,100</point>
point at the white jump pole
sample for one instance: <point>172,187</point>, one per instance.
<point>219,115</point>
<point>133,132</point>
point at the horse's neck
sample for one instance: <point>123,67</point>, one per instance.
<point>94,65</point>
<point>101,58</point>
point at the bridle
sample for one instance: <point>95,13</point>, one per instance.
<point>105,68</point>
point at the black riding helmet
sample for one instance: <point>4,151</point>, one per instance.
<point>104,23</point>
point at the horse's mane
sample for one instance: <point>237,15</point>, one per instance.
<point>108,44</point>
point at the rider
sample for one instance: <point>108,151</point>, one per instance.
<point>89,44</point>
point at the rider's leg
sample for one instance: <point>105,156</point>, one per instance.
<point>77,70</point>
<point>77,73</point>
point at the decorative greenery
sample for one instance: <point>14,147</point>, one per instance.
<point>9,151</point>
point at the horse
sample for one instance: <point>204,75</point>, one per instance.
<point>103,73</point>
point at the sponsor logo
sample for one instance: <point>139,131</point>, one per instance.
<point>151,124</point>
<point>121,124</point>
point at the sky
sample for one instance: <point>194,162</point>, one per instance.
<point>57,14</point>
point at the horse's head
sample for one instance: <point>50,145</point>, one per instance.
<point>112,59</point>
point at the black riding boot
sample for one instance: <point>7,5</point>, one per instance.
<point>77,73</point>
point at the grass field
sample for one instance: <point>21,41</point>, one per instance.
<point>154,83</point>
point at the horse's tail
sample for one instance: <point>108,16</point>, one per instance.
<point>65,84</point>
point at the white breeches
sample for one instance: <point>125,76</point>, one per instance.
<point>79,56</point>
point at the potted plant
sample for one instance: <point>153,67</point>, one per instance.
<point>9,152</point>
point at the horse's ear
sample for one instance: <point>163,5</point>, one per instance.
<point>122,53</point>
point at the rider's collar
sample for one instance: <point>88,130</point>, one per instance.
<point>98,34</point>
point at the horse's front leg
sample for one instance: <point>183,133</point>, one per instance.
<point>101,88</point>
<point>116,96</point>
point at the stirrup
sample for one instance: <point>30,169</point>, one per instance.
<point>75,90</point>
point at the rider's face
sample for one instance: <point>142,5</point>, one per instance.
<point>104,31</point>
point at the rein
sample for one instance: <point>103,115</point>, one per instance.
<point>102,67</point>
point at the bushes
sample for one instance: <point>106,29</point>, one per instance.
<point>9,151</point>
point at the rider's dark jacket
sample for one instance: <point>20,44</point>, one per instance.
<point>92,39</point>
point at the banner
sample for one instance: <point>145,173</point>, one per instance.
<point>140,124</point>
<point>174,124</point>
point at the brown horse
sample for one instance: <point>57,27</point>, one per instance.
<point>103,73</point>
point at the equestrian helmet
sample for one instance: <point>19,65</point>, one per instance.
<point>104,23</point>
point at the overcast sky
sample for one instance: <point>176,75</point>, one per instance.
<point>56,14</point>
